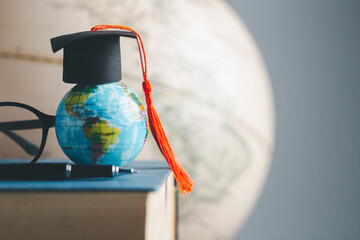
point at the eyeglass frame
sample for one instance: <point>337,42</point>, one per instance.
<point>47,121</point>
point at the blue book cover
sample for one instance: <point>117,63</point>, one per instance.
<point>151,176</point>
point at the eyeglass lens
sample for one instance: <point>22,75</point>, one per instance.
<point>20,133</point>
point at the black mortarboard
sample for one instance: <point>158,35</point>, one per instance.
<point>91,57</point>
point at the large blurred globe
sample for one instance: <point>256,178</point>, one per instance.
<point>210,88</point>
<point>103,124</point>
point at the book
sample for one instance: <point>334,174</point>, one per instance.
<point>130,206</point>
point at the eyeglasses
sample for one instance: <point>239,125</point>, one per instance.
<point>19,123</point>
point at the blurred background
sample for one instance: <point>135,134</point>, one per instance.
<point>312,53</point>
<point>223,73</point>
<point>210,87</point>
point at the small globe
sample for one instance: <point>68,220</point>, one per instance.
<point>101,124</point>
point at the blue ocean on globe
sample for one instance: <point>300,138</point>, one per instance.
<point>103,124</point>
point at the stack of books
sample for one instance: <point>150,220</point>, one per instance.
<point>130,206</point>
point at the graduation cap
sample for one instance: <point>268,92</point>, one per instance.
<point>91,57</point>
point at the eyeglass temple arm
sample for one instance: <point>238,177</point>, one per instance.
<point>28,147</point>
<point>21,125</point>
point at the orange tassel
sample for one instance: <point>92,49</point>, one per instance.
<point>183,180</point>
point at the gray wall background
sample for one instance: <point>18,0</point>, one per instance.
<point>312,52</point>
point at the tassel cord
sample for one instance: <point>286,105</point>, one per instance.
<point>183,180</point>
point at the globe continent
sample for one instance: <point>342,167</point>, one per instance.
<point>101,124</point>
